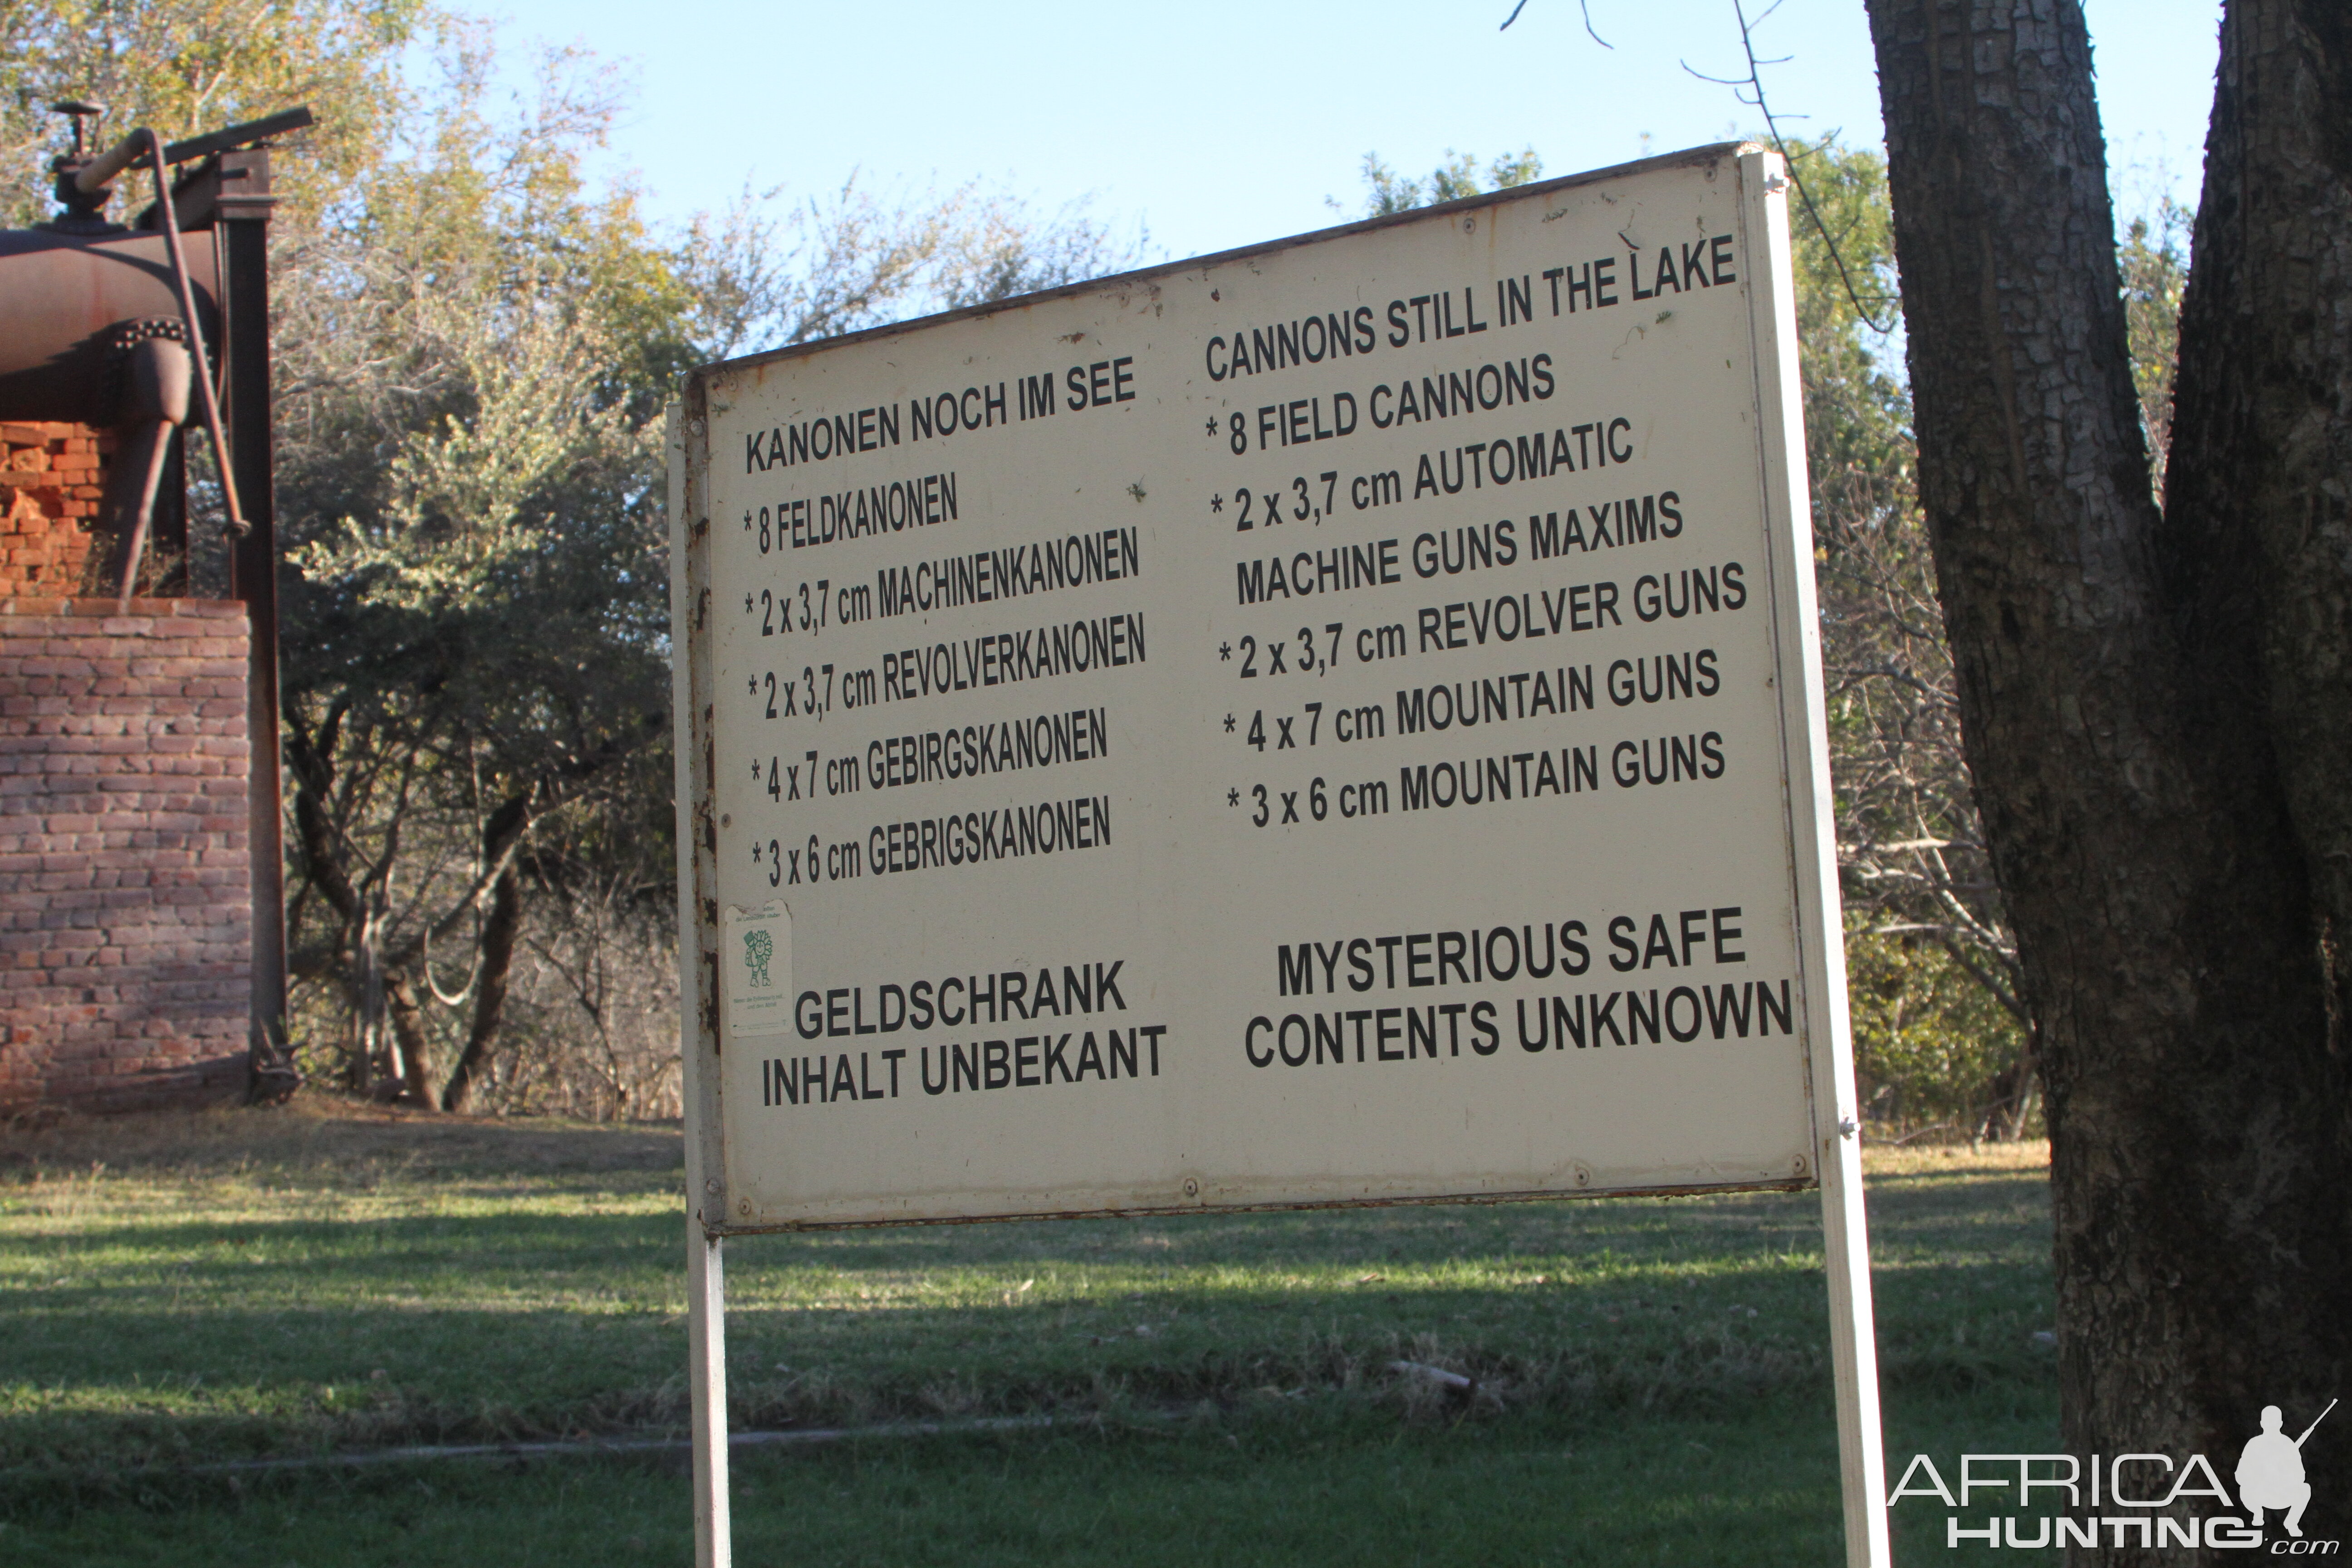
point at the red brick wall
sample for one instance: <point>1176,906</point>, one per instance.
<point>125,914</point>
<point>52,478</point>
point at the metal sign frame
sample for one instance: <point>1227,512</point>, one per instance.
<point>1828,1059</point>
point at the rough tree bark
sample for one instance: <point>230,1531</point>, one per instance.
<point>2156,707</point>
<point>2259,517</point>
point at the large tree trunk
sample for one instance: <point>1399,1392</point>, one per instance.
<point>2259,519</point>
<point>2258,554</point>
<point>2126,687</point>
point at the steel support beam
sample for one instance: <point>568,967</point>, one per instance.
<point>241,214</point>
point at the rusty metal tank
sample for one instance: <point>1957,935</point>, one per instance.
<point>78,295</point>
<point>73,306</point>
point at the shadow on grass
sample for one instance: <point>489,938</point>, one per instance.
<point>557,1373</point>
<point>1755,1486</point>
<point>1652,1375</point>
<point>168,1340</point>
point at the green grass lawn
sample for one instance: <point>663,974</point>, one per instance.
<point>1653,1380</point>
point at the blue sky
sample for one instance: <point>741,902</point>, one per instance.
<point>1222,122</point>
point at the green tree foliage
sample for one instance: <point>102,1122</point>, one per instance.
<point>475,343</point>
<point>1930,1040</point>
<point>1456,176</point>
<point>476,347</point>
<point>1939,1032</point>
<point>179,67</point>
<point>2154,265</point>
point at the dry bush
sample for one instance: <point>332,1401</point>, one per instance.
<point>590,1028</point>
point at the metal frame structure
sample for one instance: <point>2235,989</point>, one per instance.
<point>76,284</point>
<point>229,191</point>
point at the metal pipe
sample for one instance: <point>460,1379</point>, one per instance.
<point>233,136</point>
<point>169,222</point>
<point>93,175</point>
<point>158,438</point>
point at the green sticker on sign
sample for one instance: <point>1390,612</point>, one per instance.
<point>759,982</point>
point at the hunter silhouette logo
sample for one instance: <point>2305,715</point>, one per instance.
<point>2270,1471</point>
<point>758,948</point>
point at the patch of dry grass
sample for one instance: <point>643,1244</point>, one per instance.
<point>330,1138</point>
<point>2028,1154</point>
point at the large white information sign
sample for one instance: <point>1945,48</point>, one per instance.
<point>1332,722</point>
<point>1327,723</point>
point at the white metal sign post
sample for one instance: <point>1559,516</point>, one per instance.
<point>1335,723</point>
